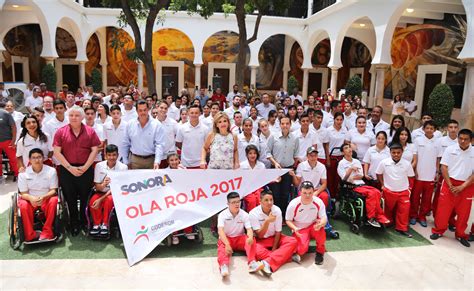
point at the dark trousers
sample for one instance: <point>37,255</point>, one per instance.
<point>281,192</point>
<point>75,188</point>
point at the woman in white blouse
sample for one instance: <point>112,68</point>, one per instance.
<point>360,138</point>
<point>403,137</point>
<point>373,157</point>
<point>32,137</point>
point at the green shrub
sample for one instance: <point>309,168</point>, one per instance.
<point>292,83</point>
<point>354,86</point>
<point>48,76</point>
<point>441,104</point>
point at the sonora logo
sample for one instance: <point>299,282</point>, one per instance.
<point>141,234</point>
<point>145,184</point>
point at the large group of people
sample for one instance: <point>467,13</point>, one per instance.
<point>323,142</point>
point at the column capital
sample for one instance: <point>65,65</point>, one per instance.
<point>468,61</point>
<point>381,66</point>
<point>198,64</point>
<point>103,63</point>
<point>253,66</point>
<point>334,68</point>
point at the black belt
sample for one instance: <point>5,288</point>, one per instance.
<point>143,157</point>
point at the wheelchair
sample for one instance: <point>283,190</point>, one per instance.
<point>351,205</point>
<point>15,223</point>
<point>114,229</point>
<point>197,232</point>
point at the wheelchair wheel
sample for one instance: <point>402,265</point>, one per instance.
<point>169,240</point>
<point>15,226</point>
<point>334,234</point>
<point>200,236</point>
<point>355,228</point>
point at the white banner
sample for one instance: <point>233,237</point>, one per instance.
<point>152,204</point>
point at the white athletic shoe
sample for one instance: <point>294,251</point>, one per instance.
<point>224,271</point>
<point>296,258</point>
<point>175,240</point>
<point>267,270</point>
<point>255,266</point>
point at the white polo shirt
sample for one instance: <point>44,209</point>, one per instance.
<point>444,142</point>
<point>192,139</point>
<point>258,217</point>
<point>314,175</point>
<point>48,116</point>
<point>336,139</point>
<point>427,151</point>
<point>53,125</point>
<point>373,158</point>
<point>363,141</point>
<point>128,115</point>
<point>33,102</point>
<point>408,152</point>
<point>263,109</point>
<point>395,175</point>
<point>101,171</point>
<point>416,133</point>
<point>99,130</point>
<point>305,215</point>
<point>344,165</point>
<point>38,184</point>
<point>409,107</point>
<point>115,135</point>
<point>170,127</point>
<point>305,142</point>
<point>323,138</point>
<point>349,121</point>
<point>460,163</point>
<point>246,166</point>
<point>27,143</point>
<point>381,126</point>
<point>243,143</point>
<point>233,226</point>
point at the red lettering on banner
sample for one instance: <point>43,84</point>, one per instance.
<point>201,194</point>
<point>182,198</point>
<point>169,200</point>
<point>134,211</point>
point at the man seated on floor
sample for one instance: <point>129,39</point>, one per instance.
<point>350,170</point>
<point>273,248</point>
<point>235,233</point>
<point>101,202</point>
<point>37,187</point>
<point>315,172</point>
<point>306,217</point>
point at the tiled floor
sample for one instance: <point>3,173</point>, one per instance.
<point>444,265</point>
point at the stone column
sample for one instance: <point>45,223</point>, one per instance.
<point>334,80</point>
<point>197,75</point>
<point>379,83</point>
<point>310,8</point>
<point>286,70</point>
<point>467,107</point>
<point>104,77</point>
<point>50,60</point>
<point>140,76</point>
<point>82,74</point>
<point>305,84</point>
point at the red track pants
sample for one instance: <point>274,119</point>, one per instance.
<point>372,202</point>
<point>238,243</point>
<point>420,200</point>
<point>102,214</point>
<point>286,248</point>
<point>434,205</point>
<point>397,204</point>
<point>252,200</point>
<point>333,177</point>
<point>460,203</point>
<point>27,215</point>
<point>11,154</point>
<point>308,233</point>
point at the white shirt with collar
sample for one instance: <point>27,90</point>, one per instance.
<point>170,127</point>
<point>101,170</point>
<point>373,157</point>
<point>128,115</point>
<point>395,175</point>
<point>363,141</point>
<point>263,109</point>
<point>258,217</point>
<point>246,166</point>
<point>33,102</point>
<point>427,151</point>
<point>303,215</point>
<point>416,133</point>
<point>460,162</point>
<point>174,112</point>
<point>336,139</point>
<point>314,175</point>
<point>48,116</point>
<point>27,143</point>
<point>18,118</point>
<point>380,126</point>
<point>38,184</point>
<point>243,143</point>
<point>323,138</point>
<point>349,121</point>
<point>115,135</point>
<point>234,226</point>
<point>305,141</point>
<point>445,141</point>
<point>344,165</point>
<point>192,139</point>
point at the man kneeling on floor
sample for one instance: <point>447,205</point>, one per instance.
<point>37,187</point>
<point>231,224</point>
<point>101,203</point>
<point>306,217</point>
<point>273,248</point>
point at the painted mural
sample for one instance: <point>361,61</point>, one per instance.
<point>434,42</point>
<point>270,58</point>
<point>120,70</point>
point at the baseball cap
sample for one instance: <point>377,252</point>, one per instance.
<point>311,149</point>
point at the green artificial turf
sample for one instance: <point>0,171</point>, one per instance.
<point>82,247</point>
